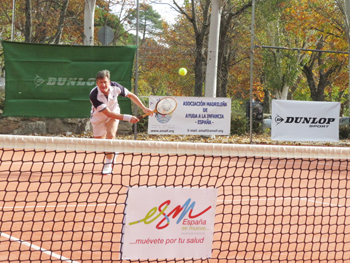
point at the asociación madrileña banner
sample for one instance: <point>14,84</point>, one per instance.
<point>193,115</point>
<point>305,120</point>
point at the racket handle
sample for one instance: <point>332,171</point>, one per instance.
<point>141,117</point>
<point>146,114</point>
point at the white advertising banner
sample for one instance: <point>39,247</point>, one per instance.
<point>163,223</point>
<point>305,121</point>
<point>193,115</point>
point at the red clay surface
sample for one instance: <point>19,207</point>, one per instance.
<point>268,210</point>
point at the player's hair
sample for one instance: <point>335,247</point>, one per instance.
<point>102,74</point>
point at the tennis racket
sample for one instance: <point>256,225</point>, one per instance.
<point>164,106</point>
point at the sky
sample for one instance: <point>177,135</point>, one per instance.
<point>163,7</point>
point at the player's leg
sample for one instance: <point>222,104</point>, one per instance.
<point>111,131</point>
<point>99,130</point>
<point>111,128</point>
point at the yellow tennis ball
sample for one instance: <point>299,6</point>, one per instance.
<point>182,71</point>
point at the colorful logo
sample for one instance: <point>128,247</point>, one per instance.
<point>163,118</point>
<point>179,211</point>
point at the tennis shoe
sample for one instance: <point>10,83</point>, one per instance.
<point>107,168</point>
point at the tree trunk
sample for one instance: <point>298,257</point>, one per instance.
<point>283,93</point>
<point>325,79</point>
<point>58,34</point>
<point>28,24</point>
<point>199,71</point>
<point>315,93</point>
<point>223,72</point>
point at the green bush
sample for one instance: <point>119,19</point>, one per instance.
<point>142,125</point>
<point>344,132</point>
<point>2,99</point>
<point>238,117</point>
<point>238,124</point>
<point>257,127</point>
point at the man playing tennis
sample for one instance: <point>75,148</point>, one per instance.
<point>105,111</point>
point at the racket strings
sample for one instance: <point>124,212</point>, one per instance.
<point>166,106</point>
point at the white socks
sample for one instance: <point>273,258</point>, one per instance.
<point>112,160</point>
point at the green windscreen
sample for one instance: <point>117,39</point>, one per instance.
<point>54,81</point>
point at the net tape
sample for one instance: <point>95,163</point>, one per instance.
<point>159,147</point>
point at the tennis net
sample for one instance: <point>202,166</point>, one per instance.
<point>275,203</point>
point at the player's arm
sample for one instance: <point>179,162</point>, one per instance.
<point>117,116</point>
<point>138,102</point>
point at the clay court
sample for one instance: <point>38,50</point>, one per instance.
<point>56,206</point>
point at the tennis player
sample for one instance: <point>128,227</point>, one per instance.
<point>105,111</point>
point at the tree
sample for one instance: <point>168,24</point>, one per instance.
<point>150,22</point>
<point>280,67</point>
<point>161,59</point>
<point>318,74</point>
<point>303,25</point>
<point>322,22</point>
<point>228,49</point>
<point>43,21</point>
<point>197,13</point>
<point>60,26</point>
<point>5,27</point>
<point>28,23</point>
<point>107,15</point>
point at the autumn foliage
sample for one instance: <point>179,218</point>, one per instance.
<point>164,48</point>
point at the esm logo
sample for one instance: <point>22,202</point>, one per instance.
<point>304,120</point>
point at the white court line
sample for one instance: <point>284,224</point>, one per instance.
<point>50,253</point>
<point>308,199</point>
<point>53,206</point>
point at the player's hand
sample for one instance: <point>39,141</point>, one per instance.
<point>147,110</point>
<point>134,119</point>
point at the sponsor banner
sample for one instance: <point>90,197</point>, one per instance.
<point>193,115</point>
<point>305,121</point>
<point>163,223</point>
<point>54,81</point>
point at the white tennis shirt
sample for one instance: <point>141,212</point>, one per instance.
<point>100,101</point>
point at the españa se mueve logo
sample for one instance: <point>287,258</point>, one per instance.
<point>181,211</point>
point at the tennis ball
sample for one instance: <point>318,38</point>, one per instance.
<point>182,71</point>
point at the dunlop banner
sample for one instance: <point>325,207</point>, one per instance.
<point>54,81</point>
<point>305,120</point>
